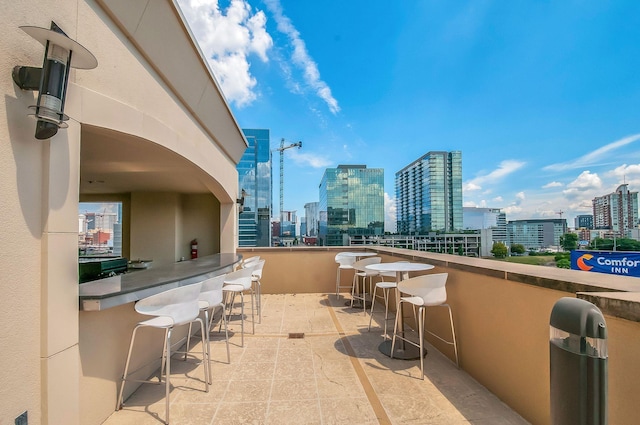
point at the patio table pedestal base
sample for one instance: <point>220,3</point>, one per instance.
<point>406,352</point>
<point>357,304</point>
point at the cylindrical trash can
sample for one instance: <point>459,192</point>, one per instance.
<point>578,361</point>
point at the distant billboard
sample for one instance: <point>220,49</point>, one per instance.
<point>621,263</point>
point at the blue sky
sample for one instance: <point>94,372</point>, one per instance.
<point>541,97</point>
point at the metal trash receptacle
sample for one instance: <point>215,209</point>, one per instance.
<point>578,363</point>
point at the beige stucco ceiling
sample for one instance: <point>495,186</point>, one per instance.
<point>112,162</point>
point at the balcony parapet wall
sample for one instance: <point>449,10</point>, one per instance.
<point>617,296</point>
<point>501,313</point>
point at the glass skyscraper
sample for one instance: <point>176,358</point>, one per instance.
<point>536,233</point>
<point>351,204</point>
<point>429,194</point>
<point>312,217</point>
<point>254,177</point>
<point>486,218</point>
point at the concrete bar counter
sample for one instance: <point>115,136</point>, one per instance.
<point>107,318</point>
<point>133,286</point>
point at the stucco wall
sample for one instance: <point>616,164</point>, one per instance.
<point>39,180</point>
<point>502,326</point>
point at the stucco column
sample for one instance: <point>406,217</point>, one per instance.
<point>228,227</point>
<point>59,356</point>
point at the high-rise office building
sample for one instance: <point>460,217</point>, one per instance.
<point>254,178</point>
<point>311,217</point>
<point>584,221</point>
<point>288,224</point>
<point>351,204</point>
<point>486,218</point>
<point>536,234</point>
<point>429,194</point>
<point>617,211</point>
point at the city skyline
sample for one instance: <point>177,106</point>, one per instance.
<point>539,98</point>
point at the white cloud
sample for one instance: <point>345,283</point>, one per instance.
<point>552,184</point>
<point>624,172</point>
<point>390,222</point>
<point>497,199</point>
<point>504,169</point>
<point>586,180</point>
<point>512,209</point>
<point>301,57</point>
<point>304,159</point>
<point>591,158</point>
<point>227,39</point>
<point>470,187</point>
<point>583,186</point>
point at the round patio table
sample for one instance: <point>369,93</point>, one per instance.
<point>358,256</point>
<point>402,351</point>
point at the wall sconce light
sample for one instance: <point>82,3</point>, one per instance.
<point>240,201</point>
<point>60,54</point>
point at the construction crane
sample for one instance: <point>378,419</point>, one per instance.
<point>281,149</point>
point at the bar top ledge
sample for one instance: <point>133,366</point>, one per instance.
<point>617,296</point>
<point>133,286</point>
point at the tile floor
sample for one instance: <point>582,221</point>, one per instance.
<point>334,375</point>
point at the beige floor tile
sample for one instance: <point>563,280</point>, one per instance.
<point>347,411</point>
<point>294,389</point>
<point>259,354</point>
<point>254,371</point>
<point>294,355</point>
<point>246,413</point>
<point>305,412</point>
<point>313,380</point>
<point>297,370</point>
<point>341,387</point>
<point>131,417</point>
<point>246,391</point>
<point>188,414</point>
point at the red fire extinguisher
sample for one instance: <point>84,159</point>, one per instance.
<point>194,249</point>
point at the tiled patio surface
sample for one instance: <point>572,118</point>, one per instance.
<point>334,375</point>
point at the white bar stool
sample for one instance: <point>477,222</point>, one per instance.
<point>175,307</point>
<point>386,287</point>
<point>211,298</point>
<point>345,262</point>
<point>256,275</point>
<point>361,271</point>
<point>424,291</point>
<point>238,282</point>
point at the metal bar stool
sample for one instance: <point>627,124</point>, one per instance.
<point>386,287</point>
<point>361,271</point>
<point>238,282</point>
<point>345,262</point>
<point>175,307</point>
<point>211,298</point>
<point>425,291</point>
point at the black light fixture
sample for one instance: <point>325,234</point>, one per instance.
<point>60,54</point>
<point>240,201</point>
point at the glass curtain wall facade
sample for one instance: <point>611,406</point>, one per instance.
<point>536,234</point>
<point>351,204</point>
<point>429,194</point>
<point>486,218</point>
<point>254,177</point>
<point>311,217</point>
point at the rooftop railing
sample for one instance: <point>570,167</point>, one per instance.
<point>501,313</point>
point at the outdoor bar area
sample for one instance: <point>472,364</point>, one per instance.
<point>127,112</point>
<point>316,357</point>
<point>140,121</point>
